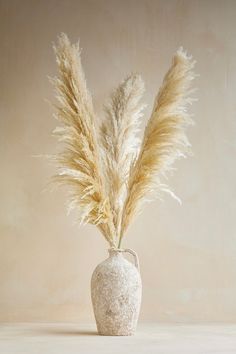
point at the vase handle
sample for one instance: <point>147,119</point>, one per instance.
<point>134,254</point>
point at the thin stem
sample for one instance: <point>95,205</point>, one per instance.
<point>120,240</point>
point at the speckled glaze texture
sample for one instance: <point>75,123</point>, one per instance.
<point>116,291</point>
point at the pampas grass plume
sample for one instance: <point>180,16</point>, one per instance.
<point>109,171</point>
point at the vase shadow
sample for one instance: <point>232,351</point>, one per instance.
<point>64,332</point>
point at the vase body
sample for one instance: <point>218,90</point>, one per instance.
<point>116,291</point>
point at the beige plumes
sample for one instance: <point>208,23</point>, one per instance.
<point>111,173</point>
<point>79,162</point>
<point>119,141</point>
<point>164,138</point>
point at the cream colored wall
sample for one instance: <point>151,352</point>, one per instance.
<point>188,252</point>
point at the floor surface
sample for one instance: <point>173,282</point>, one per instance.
<point>150,338</point>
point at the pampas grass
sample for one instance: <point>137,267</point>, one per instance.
<point>79,162</point>
<point>164,138</point>
<point>119,141</point>
<point>109,171</point>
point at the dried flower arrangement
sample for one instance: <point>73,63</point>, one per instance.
<point>109,170</point>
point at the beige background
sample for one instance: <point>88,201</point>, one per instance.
<point>188,252</point>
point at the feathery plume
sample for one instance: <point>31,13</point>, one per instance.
<point>164,138</point>
<point>119,141</point>
<point>79,162</point>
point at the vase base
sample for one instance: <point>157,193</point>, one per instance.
<point>116,334</point>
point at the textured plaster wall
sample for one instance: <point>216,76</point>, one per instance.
<point>187,253</point>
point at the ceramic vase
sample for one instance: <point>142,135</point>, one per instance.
<point>116,291</point>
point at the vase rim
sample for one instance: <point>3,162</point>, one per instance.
<point>115,250</point>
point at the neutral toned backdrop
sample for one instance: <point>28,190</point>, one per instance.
<point>187,253</point>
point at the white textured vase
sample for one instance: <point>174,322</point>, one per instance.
<point>116,291</point>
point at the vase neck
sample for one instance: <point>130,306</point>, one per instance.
<point>115,251</point>
<point>118,252</point>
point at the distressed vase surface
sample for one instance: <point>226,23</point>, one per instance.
<point>116,291</point>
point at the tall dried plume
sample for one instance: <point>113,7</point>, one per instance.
<point>119,141</point>
<point>164,138</point>
<point>79,163</point>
